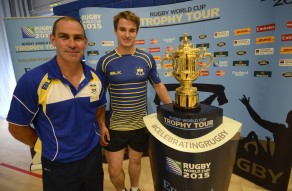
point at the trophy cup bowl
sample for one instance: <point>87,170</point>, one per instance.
<point>186,68</point>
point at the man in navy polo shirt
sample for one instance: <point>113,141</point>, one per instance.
<point>61,99</point>
<point>128,70</point>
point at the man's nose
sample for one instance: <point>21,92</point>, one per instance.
<point>72,42</point>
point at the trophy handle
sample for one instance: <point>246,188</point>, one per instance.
<point>166,57</point>
<point>204,56</point>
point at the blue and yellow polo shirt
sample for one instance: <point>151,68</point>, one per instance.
<point>63,117</point>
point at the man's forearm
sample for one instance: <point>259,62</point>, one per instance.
<point>24,134</point>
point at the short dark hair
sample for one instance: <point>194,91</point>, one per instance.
<point>66,18</point>
<point>126,15</point>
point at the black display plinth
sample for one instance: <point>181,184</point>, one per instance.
<point>190,124</point>
<point>180,162</point>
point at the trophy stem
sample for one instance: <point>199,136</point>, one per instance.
<point>187,97</point>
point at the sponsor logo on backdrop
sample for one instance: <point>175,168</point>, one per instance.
<point>285,62</point>
<point>220,73</point>
<point>289,24</point>
<point>154,49</point>
<point>188,170</point>
<point>92,53</point>
<point>241,63</point>
<point>286,37</point>
<point>220,64</point>
<point>153,41</point>
<point>107,43</point>
<point>167,74</point>
<point>221,34</point>
<point>137,42</point>
<point>91,21</point>
<point>241,52</point>
<point>286,50</point>
<point>265,39</point>
<point>221,44</point>
<point>158,65</point>
<point>204,73</point>
<point>189,38</point>
<point>202,36</point>
<point>263,74</point>
<point>207,45</point>
<point>167,66</point>
<point>242,31</point>
<point>169,40</point>
<point>287,74</point>
<point>221,54</point>
<point>91,43</point>
<point>156,57</point>
<point>240,73</point>
<point>202,64</point>
<point>263,62</point>
<point>264,28</point>
<point>92,62</point>
<point>241,42</point>
<point>264,51</point>
<point>36,32</point>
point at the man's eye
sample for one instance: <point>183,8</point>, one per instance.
<point>64,37</point>
<point>79,38</point>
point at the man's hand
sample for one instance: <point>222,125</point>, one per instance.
<point>104,136</point>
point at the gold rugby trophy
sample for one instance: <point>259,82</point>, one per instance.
<point>186,68</point>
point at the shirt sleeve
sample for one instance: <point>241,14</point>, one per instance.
<point>153,74</point>
<point>24,103</point>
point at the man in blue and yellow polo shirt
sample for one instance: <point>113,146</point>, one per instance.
<point>62,100</point>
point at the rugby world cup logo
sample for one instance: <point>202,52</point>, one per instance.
<point>173,166</point>
<point>28,32</point>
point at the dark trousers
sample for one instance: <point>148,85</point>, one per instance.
<point>83,175</point>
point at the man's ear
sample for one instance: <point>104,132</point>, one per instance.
<point>52,39</point>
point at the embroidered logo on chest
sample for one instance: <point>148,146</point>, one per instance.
<point>93,88</point>
<point>140,72</point>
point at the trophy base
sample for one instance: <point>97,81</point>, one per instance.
<point>187,123</point>
<point>196,108</point>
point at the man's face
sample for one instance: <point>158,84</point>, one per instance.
<point>69,41</point>
<point>126,33</point>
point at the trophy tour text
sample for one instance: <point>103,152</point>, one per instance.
<point>188,123</point>
<point>180,16</point>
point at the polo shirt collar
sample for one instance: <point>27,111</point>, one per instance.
<point>55,72</point>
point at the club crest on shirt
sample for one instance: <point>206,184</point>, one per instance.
<point>140,71</point>
<point>93,88</point>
